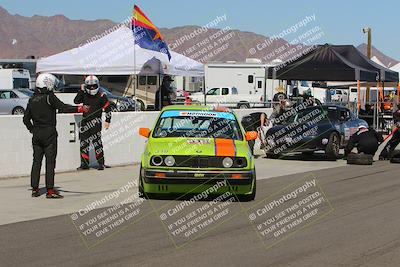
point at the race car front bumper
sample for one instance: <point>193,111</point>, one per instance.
<point>185,181</point>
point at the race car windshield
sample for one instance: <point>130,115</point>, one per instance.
<point>212,125</point>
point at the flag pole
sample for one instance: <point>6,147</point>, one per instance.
<point>134,58</point>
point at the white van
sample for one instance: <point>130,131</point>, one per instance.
<point>229,97</point>
<point>248,77</point>
<point>15,79</point>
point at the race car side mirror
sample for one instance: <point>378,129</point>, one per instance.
<point>145,132</point>
<point>251,135</point>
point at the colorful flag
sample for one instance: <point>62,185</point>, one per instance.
<point>147,35</point>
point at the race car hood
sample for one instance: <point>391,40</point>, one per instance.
<point>198,146</point>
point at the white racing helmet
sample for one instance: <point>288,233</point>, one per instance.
<point>92,85</point>
<point>46,81</point>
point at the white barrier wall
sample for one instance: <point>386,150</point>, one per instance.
<point>122,143</point>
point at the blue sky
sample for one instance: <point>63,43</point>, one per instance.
<point>341,21</point>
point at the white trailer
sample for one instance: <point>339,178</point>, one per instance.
<point>15,79</point>
<point>248,77</point>
<point>323,94</point>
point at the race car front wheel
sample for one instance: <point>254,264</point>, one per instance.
<point>140,186</point>
<point>333,146</point>
<point>251,196</point>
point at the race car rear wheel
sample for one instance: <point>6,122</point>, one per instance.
<point>333,146</point>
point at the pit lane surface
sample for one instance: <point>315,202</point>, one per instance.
<point>362,230</point>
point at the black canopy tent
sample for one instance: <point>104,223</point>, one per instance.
<point>335,63</point>
<point>356,57</point>
<point>332,63</point>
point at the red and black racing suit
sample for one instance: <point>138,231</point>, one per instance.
<point>388,150</point>
<point>91,124</point>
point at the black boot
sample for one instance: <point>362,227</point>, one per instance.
<point>35,192</point>
<point>83,167</point>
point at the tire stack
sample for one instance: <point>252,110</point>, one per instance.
<point>360,159</point>
<point>396,157</point>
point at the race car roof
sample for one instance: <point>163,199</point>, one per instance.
<point>196,107</point>
<point>198,113</point>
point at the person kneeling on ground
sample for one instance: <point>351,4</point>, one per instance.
<point>366,140</point>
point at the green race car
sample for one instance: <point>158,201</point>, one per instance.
<point>192,149</point>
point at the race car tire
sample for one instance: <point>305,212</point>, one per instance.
<point>252,196</point>
<point>142,194</point>
<point>360,159</point>
<point>333,146</point>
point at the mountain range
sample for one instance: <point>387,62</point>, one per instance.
<point>40,36</point>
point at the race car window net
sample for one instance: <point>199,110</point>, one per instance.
<point>198,127</point>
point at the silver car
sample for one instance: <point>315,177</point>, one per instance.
<point>13,102</point>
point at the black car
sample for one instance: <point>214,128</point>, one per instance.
<point>326,128</point>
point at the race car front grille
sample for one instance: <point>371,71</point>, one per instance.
<point>205,162</point>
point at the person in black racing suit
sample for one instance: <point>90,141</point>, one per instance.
<point>91,124</point>
<point>40,119</point>
<point>366,140</point>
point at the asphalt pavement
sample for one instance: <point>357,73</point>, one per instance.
<point>348,216</point>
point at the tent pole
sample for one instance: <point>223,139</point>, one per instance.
<point>204,89</point>
<point>358,96</point>
<point>398,93</point>
<point>159,86</point>
<point>265,87</point>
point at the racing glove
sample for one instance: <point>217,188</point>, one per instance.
<point>83,109</point>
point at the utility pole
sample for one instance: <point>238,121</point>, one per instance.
<point>368,30</point>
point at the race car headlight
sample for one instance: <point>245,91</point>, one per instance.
<point>156,160</point>
<point>240,162</point>
<point>227,162</point>
<point>169,161</point>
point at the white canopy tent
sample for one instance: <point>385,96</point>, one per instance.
<point>117,54</point>
<point>396,67</point>
<point>376,60</point>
